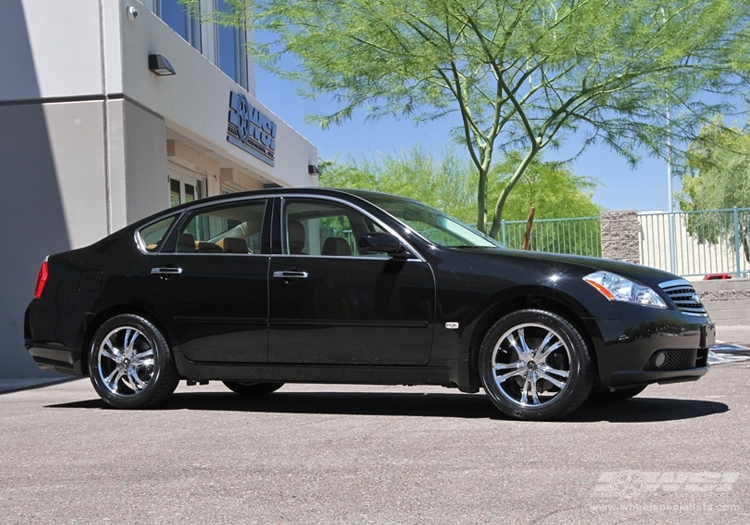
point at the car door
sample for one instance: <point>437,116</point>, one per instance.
<point>329,304</point>
<point>210,282</point>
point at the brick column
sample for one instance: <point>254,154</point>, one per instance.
<point>621,236</point>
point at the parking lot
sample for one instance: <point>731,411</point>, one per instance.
<point>362,454</point>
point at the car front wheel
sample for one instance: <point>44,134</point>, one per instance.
<point>534,364</point>
<point>130,364</point>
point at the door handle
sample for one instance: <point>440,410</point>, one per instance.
<point>290,275</point>
<point>167,271</point>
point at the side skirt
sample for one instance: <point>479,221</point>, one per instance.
<point>352,374</point>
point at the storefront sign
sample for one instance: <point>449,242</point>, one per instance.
<point>250,129</point>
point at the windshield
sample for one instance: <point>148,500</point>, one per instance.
<point>432,224</point>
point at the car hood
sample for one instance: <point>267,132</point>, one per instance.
<point>549,263</point>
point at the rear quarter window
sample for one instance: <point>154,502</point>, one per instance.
<point>152,235</point>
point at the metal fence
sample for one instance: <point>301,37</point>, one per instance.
<point>580,236</point>
<point>697,243</point>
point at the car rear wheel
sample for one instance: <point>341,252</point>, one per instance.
<point>252,389</point>
<point>616,396</point>
<point>534,364</point>
<point>130,364</point>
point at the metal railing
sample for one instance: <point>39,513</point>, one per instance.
<point>581,236</point>
<point>690,244</point>
<point>704,242</point>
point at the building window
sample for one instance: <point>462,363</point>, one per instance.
<point>174,14</point>
<point>230,48</point>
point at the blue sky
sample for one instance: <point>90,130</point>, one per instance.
<point>620,187</point>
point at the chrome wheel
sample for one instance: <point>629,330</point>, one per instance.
<point>126,361</point>
<point>532,364</point>
<point>535,364</point>
<point>130,363</point>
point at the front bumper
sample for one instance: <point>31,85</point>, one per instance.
<point>655,347</point>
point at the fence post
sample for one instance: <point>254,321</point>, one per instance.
<point>736,241</point>
<point>502,224</point>
<point>672,244</point>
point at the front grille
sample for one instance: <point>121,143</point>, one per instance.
<point>682,359</point>
<point>684,297</point>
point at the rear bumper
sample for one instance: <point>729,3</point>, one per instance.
<point>42,342</point>
<point>51,356</point>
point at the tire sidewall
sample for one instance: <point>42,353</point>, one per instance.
<point>579,380</point>
<point>162,359</point>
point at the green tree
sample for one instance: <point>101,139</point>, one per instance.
<point>521,74</point>
<point>718,164</point>
<point>449,183</point>
<point>442,183</point>
<point>550,187</point>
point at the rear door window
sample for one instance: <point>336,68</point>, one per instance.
<point>228,229</point>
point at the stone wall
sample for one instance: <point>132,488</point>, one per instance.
<point>727,301</point>
<point>621,236</point>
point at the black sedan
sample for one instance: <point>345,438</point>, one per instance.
<point>260,288</point>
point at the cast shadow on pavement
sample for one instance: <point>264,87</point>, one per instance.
<point>456,405</point>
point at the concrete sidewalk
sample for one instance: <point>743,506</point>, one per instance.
<point>13,385</point>
<point>727,337</point>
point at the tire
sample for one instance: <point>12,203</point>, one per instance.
<point>252,389</point>
<point>130,364</point>
<point>616,396</point>
<point>535,365</point>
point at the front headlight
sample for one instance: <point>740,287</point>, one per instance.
<point>617,288</point>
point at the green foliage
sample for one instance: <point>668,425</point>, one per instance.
<point>520,74</point>
<point>718,163</point>
<point>449,184</point>
<point>444,184</point>
<point>550,187</point>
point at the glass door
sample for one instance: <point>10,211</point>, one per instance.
<point>184,187</point>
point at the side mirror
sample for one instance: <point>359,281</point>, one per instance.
<point>378,242</point>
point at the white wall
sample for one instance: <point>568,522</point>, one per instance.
<point>195,102</point>
<point>83,136</point>
<point>59,48</point>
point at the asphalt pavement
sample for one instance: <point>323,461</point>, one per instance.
<point>361,454</point>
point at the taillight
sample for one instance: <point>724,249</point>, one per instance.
<point>41,280</point>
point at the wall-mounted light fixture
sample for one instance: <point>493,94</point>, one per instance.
<point>160,65</point>
<point>312,169</point>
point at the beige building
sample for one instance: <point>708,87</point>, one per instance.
<point>111,110</point>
